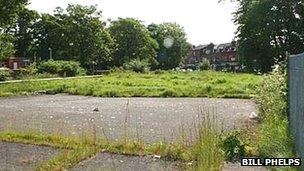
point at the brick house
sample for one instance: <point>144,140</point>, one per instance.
<point>221,56</point>
<point>15,63</point>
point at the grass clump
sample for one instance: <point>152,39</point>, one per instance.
<point>207,151</point>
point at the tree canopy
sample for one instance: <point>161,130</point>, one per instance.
<point>173,45</point>
<point>133,41</point>
<point>76,33</point>
<point>9,11</point>
<point>267,29</point>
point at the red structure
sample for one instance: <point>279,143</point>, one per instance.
<point>15,63</point>
<point>222,56</point>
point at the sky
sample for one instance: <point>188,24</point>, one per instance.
<point>204,21</point>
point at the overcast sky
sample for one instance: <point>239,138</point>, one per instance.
<point>204,21</point>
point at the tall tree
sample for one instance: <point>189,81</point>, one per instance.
<point>76,33</point>
<point>133,41</point>
<point>9,11</point>
<point>6,47</point>
<point>267,29</point>
<point>23,33</point>
<point>173,45</point>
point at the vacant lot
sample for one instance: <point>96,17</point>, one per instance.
<point>156,84</point>
<point>150,119</point>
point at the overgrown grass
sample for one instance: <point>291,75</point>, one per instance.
<point>274,135</point>
<point>271,137</point>
<point>206,153</point>
<point>153,84</point>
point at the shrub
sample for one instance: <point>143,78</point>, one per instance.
<point>233,147</point>
<point>137,65</point>
<point>30,70</point>
<point>4,74</point>
<point>204,65</point>
<point>62,68</point>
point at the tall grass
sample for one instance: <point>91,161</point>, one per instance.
<point>153,84</point>
<point>207,150</point>
<point>274,138</point>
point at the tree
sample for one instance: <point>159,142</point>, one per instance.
<point>9,11</point>
<point>6,47</point>
<point>267,29</point>
<point>133,42</point>
<point>76,33</point>
<point>23,33</point>
<point>173,46</point>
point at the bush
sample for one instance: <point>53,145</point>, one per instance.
<point>62,68</point>
<point>29,71</point>
<point>204,65</point>
<point>137,65</point>
<point>4,74</point>
<point>233,147</point>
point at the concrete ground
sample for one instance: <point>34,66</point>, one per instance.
<point>114,162</point>
<point>148,119</point>
<point>21,157</point>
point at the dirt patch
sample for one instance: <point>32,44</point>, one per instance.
<point>15,156</point>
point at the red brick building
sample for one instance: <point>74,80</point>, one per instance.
<point>15,63</point>
<point>222,56</point>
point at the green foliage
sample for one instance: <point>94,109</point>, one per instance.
<point>4,74</point>
<point>267,30</point>
<point>204,65</point>
<point>9,11</point>
<point>207,151</point>
<point>272,95</point>
<point>6,47</point>
<point>173,46</point>
<point>30,70</point>
<point>137,65</point>
<point>62,68</point>
<point>76,33</point>
<point>23,34</point>
<point>233,146</point>
<point>274,136</point>
<point>165,84</point>
<point>133,42</point>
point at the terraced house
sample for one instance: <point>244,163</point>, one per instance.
<point>221,56</point>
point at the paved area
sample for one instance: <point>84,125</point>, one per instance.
<point>15,157</point>
<point>148,119</point>
<point>114,162</point>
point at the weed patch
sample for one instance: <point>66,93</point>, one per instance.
<point>152,84</point>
